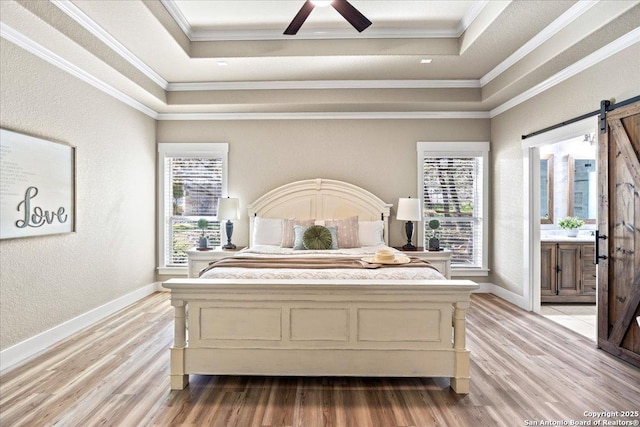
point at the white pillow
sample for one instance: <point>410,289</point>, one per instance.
<point>371,233</point>
<point>266,231</point>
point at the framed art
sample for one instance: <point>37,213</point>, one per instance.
<point>37,186</point>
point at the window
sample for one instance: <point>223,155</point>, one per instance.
<point>453,181</point>
<point>192,178</point>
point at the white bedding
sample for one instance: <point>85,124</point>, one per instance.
<point>319,274</point>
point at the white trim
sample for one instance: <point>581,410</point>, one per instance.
<point>90,25</point>
<point>457,148</point>
<point>171,149</point>
<point>453,146</point>
<point>328,115</point>
<point>325,84</point>
<point>588,61</point>
<point>42,52</point>
<point>471,15</point>
<point>549,31</point>
<point>32,347</point>
<point>531,204</point>
<point>178,17</point>
<point>506,295</point>
<point>319,34</point>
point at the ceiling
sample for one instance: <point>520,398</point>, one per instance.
<point>184,59</point>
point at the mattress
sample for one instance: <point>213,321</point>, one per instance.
<point>319,274</point>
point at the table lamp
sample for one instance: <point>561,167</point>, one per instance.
<point>409,210</point>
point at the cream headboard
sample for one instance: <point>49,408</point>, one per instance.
<point>320,199</point>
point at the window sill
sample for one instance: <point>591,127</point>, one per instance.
<point>173,271</point>
<point>469,272</point>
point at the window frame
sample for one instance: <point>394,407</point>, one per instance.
<point>459,149</point>
<point>170,149</point>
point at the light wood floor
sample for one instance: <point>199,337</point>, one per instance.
<point>524,367</point>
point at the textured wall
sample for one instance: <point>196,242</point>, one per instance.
<point>378,155</point>
<point>45,281</point>
<point>616,77</point>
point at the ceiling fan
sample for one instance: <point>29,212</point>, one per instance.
<point>344,8</point>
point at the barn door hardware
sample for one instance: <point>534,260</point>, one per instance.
<point>597,251</point>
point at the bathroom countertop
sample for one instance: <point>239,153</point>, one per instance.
<point>564,239</point>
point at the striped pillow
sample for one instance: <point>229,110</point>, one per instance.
<point>288,236</point>
<point>347,230</point>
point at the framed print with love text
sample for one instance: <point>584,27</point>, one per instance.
<point>37,186</point>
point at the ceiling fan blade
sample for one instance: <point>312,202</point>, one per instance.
<point>299,19</point>
<point>351,14</point>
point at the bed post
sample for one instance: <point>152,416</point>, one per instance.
<point>460,380</point>
<point>178,378</point>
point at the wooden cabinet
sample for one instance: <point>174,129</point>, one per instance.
<point>567,272</point>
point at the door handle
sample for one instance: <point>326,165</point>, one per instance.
<point>597,251</point>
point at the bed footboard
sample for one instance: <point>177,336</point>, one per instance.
<point>346,328</point>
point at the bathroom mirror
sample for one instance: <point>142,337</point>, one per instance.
<point>546,189</point>
<point>582,197</point>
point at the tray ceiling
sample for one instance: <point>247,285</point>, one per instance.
<point>178,59</point>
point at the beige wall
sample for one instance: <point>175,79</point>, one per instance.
<point>45,281</point>
<point>616,77</point>
<point>378,155</point>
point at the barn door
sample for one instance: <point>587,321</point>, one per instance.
<point>618,240</point>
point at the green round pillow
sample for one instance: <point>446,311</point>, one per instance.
<point>317,237</point>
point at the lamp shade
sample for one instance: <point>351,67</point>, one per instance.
<point>229,208</point>
<point>409,209</point>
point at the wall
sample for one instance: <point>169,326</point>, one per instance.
<point>378,155</point>
<point>617,77</point>
<point>45,281</point>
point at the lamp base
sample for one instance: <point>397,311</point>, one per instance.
<point>409,247</point>
<point>229,246</point>
<point>229,230</point>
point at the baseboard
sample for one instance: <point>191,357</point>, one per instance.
<point>515,299</point>
<point>31,347</point>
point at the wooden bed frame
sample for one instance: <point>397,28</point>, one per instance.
<point>389,328</point>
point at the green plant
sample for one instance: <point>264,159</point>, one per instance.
<point>434,224</point>
<point>203,224</point>
<point>571,222</point>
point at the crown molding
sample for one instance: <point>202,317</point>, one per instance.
<point>90,25</point>
<point>276,34</point>
<point>549,31</point>
<point>470,16</point>
<point>596,57</point>
<point>419,115</point>
<point>325,84</point>
<point>42,52</point>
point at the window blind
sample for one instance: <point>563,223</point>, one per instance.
<point>192,186</point>
<point>452,194</point>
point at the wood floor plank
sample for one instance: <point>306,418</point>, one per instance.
<point>523,367</point>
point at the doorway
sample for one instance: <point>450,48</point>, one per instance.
<point>556,265</point>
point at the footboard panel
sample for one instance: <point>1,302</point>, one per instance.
<point>394,328</point>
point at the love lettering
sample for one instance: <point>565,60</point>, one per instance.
<point>36,216</point>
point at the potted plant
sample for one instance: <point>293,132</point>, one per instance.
<point>203,243</point>
<point>571,224</point>
<point>434,242</point>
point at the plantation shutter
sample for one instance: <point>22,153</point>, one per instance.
<point>452,193</point>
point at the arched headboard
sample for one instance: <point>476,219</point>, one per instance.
<point>320,199</point>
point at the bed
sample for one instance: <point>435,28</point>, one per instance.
<point>356,318</point>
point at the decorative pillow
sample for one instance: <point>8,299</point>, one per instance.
<point>347,230</point>
<point>371,233</point>
<point>266,231</point>
<point>299,231</point>
<point>316,237</point>
<point>288,236</point>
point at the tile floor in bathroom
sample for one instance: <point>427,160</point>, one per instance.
<point>580,318</point>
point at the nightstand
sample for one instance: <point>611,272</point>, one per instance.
<point>441,260</point>
<point>200,259</point>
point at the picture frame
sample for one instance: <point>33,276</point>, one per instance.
<point>37,186</point>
